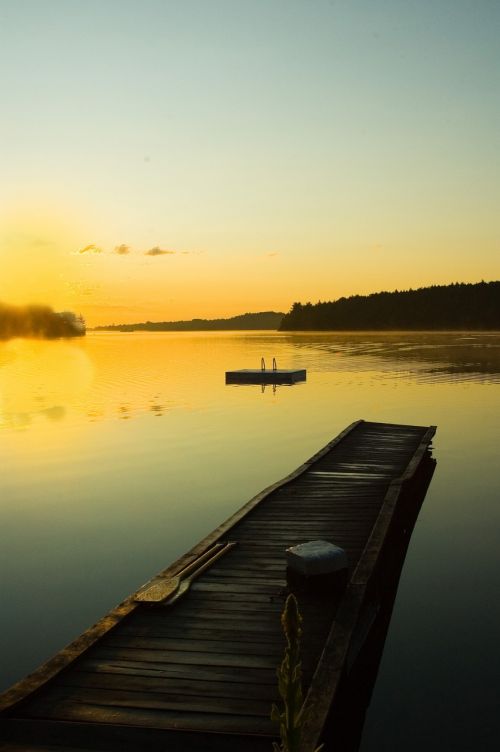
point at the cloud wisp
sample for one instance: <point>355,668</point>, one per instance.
<point>157,251</point>
<point>91,248</point>
<point>125,250</point>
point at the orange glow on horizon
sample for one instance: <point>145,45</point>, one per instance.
<point>44,260</point>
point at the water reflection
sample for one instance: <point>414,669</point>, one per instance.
<point>55,413</point>
<point>39,379</point>
<point>128,375</point>
<point>91,505</point>
<point>263,388</point>
<point>431,356</point>
<point>157,410</point>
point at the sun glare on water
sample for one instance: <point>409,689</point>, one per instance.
<point>39,379</point>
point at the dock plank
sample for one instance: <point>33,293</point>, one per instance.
<point>49,706</point>
<point>194,645</point>
<point>174,685</point>
<point>136,667</point>
<point>158,718</point>
<point>194,658</point>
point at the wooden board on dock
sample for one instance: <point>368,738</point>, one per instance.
<point>200,674</point>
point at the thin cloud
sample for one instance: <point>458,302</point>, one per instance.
<point>275,253</point>
<point>91,248</point>
<point>157,251</point>
<point>122,249</point>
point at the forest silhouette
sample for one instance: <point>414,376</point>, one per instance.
<point>457,306</point>
<point>262,320</point>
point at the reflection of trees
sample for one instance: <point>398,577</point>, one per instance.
<point>437,352</point>
<point>24,419</point>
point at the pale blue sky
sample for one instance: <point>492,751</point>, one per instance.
<point>358,141</point>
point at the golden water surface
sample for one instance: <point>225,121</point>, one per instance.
<point>119,451</point>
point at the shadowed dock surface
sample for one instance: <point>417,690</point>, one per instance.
<point>200,674</point>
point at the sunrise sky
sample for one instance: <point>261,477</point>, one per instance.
<point>164,160</point>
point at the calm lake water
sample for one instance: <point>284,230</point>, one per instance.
<point>120,451</point>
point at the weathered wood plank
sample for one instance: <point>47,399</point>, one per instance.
<point>214,631</point>
<point>107,652</point>
<point>49,705</point>
<point>174,685</point>
<point>240,606</point>
<point>244,577</point>
<point>200,621</point>
<point>193,645</point>
<point>156,718</point>
<point>137,667</point>
<point>225,627</point>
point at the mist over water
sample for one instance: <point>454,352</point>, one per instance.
<point>120,451</point>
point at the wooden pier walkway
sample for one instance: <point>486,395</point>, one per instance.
<point>200,674</point>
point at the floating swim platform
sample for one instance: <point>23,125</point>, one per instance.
<point>259,376</point>
<point>265,375</point>
<point>188,662</point>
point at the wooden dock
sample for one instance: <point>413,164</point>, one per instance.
<point>200,674</point>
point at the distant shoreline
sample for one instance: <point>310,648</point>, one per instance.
<point>456,307</point>
<point>264,320</point>
<point>460,330</point>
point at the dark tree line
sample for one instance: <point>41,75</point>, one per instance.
<point>263,320</point>
<point>455,306</point>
